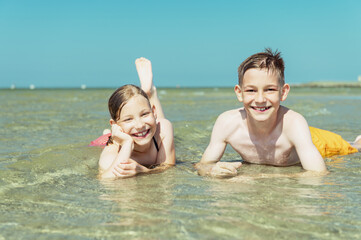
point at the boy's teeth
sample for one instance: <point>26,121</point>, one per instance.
<point>261,108</point>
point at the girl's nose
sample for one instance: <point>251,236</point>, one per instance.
<point>139,124</point>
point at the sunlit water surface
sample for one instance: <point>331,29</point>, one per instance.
<point>49,188</point>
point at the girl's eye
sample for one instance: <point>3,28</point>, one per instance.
<point>145,114</point>
<point>127,120</point>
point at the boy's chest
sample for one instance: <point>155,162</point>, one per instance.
<point>272,151</point>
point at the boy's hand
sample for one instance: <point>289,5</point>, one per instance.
<point>225,169</point>
<point>119,136</point>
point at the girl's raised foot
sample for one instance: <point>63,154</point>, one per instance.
<point>144,69</point>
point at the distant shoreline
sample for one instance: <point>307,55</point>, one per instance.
<point>300,85</point>
<point>329,84</point>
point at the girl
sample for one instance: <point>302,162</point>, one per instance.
<point>140,137</point>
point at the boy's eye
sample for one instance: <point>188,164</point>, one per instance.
<point>146,114</point>
<point>250,90</point>
<point>271,89</point>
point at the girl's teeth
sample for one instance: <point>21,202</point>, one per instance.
<point>141,134</point>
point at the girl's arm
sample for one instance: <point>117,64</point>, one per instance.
<point>115,160</point>
<point>121,165</point>
<point>112,157</point>
<point>166,153</point>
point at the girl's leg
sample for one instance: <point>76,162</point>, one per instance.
<point>144,69</point>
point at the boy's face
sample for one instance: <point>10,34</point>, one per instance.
<point>261,93</point>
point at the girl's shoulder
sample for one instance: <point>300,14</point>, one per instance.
<point>164,130</point>
<point>164,124</point>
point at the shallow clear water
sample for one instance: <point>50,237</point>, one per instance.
<point>49,189</point>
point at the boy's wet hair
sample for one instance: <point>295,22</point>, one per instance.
<point>267,60</point>
<point>120,97</point>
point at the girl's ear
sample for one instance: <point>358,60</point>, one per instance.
<point>285,91</point>
<point>238,91</point>
<point>154,110</point>
<point>111,121</point>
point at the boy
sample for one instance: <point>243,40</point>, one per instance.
<point>263,131</point>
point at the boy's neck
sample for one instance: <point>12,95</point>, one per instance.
<point>262,128</point>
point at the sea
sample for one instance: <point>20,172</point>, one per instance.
<point>49,187</point>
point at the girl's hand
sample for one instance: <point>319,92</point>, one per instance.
<point>128,169</point>
<point>119,136</point>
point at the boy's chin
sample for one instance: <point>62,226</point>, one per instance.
<point>260,117</point>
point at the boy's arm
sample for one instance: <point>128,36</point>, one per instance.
<point>307,152</point>
<point>209,164</point>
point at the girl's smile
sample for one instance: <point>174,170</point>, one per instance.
<point>142,134</point>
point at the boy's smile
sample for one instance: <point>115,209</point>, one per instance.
<point>261,109</point>
<point>261,94</point>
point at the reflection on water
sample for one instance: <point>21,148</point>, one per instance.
<point>49,189</point>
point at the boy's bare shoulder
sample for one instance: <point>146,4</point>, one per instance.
<point>230,120</point>
<point>291,118</point>
<point>294,125</point>
<point>231,115</point>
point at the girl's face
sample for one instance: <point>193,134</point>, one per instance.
<point>137,120</point>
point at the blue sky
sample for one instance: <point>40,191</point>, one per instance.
<point>190,43</point>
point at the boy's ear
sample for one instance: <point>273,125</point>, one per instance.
<point>111,121</point>
<point>154,111</point>
<point>285,91</point>
<point>238,91</point>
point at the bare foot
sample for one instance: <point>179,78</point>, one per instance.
<point>357,143</point>
<point>106,131</point>
<point>144,69</point>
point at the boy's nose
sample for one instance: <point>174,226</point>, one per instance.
<point>259,97</point>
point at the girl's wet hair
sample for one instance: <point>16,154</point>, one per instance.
<point>120,97</point>
<point>268,60</point>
